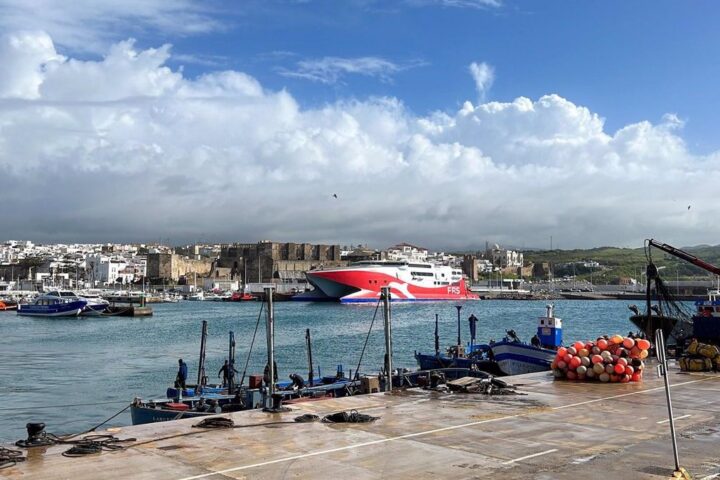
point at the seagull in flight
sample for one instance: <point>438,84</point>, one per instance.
<point>335,195</point>
<point>689,207</point>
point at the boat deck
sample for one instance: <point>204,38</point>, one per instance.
<point>557,430</point>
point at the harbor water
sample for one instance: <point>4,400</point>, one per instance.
<point>74,373</point>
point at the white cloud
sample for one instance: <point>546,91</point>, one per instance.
<point>484,76</point>
<point>477,4</point>
<point>125,148</point>
<point>91,25</point>
<point>331,69</point>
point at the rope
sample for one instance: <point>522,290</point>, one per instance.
<point>10,457</point>
<point>247,361</point>
<point>353,417</point>
<point>307,418</point>
<point>100,424</point>
<point>215,422</point>
<point>93,444</point>
<point>362,354</point>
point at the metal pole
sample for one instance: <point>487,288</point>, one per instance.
<point>388,338</point>
<point>270,343</point>
<point>662,370</point>
<point>437,337</point>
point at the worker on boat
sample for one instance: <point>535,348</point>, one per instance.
<point>297,381</point>
<point>181,374</point>
<point>227,372</point>
<point>535,341</point>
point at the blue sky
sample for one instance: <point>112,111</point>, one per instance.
<point>627,61</point>
<point>460,120</point>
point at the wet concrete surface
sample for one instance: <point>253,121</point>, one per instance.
<point>555,430</point>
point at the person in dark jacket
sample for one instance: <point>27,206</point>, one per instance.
<point>181,374</point>
<point>227,372</point>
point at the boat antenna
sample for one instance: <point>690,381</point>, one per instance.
<point>309,355</point>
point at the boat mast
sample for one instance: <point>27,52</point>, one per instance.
<point>309,355</point>
<point>231,364</point>
<point>201,364</point>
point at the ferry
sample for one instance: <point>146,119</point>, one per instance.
<point>408,281</point>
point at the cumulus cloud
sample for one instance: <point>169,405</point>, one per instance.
<point>484,76</point>
<point>126,148</point>
<point>331,69</point>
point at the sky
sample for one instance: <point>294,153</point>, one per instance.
<point>444,123</point>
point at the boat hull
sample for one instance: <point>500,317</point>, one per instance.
<point>435,362</point>
<point>70,309</point>
<point>364,285</point>
<point>515,358</point>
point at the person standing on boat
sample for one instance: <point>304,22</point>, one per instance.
<point>227,372</point>
<point>535,341</point>
<point>182,374</point>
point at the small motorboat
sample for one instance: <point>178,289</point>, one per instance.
<point>6,305</point>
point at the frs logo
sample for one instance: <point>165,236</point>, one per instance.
<point>453,290</point>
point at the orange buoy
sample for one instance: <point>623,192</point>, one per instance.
<point>583,352</point>
<point>619,368</point>
<point>596,359</point>
<point>602,344</point>
<point>636,377</point>
<point>567,358</point>
<point>628,342</point>
<point>575,362</point>
<point>560,364</point>
<point>553,365</point>
<point>561,351</point>
<point>635,352</point>
<point>578,346</point>
<point>643,344</point>
<point>614,378</point>
<point>571,375</point>
<point>643,354</point>
<point>572,351</point>
<point>624,378</point>
<point>622,361</point>
<point>629,370</point>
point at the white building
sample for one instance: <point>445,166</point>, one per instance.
<point>407,252</point>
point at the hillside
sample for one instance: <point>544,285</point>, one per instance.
<point>623,262</point>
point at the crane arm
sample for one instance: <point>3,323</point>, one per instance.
<point>684,256</point>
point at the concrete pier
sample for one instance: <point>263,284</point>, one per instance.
<point>557,430</point>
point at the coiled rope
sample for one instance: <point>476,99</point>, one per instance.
<point>10,457</point>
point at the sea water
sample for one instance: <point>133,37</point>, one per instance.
<point>73,373</point>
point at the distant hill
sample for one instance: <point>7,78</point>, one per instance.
<point>623,262</point>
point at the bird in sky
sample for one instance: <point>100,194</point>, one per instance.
<point>689,207</point>
<point>335,195</point>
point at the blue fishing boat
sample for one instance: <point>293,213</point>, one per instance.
<point>53,304</point>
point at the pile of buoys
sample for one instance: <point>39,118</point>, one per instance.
<point>701,357</point>
<point>608,359</point>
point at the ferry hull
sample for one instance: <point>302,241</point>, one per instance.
<point>70,309</point>
<point>363,285</point>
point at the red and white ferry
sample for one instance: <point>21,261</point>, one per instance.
<point>408,281</point>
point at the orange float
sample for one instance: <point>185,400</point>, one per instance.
<point>643,344</point>
<point>628,342</point>
<point>602,344</point>
<point>619,368</point>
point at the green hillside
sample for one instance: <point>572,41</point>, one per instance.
<point>623,262</point>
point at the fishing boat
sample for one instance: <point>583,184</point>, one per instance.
<point>408,281</point>
<point>466,357</point>
<point>53,304</point>
<point>515,357</point>
<point>240,297</point>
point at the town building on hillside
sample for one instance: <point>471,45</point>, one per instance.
<point>406,252</point>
